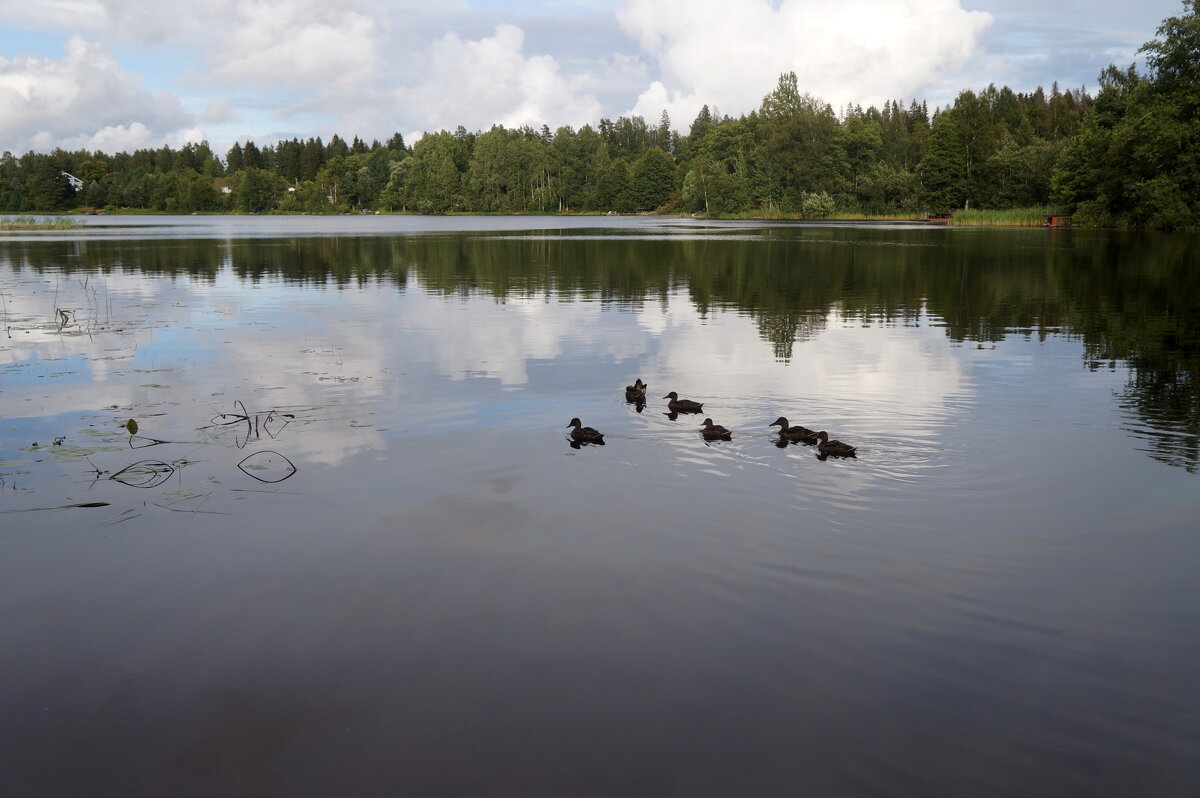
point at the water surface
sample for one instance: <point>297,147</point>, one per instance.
<point>351,550</point>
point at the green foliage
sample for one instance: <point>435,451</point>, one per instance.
<point>801,147</point>
<point>653,179</point>
<point>944,173</point>
<point>887,189</point>
<point>257,190</point>
<point>715,187</point>
<point>1018,175</point>
<point>509,171</point>
<point>817,205</point>
<point>433,176</point>
<point>1136,158</point>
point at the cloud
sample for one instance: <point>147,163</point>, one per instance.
<point>52,14</point>
<point>370,67</point>
<point>216,112</point>
<point>480,82</point>
<point>308,44</point>
<point>730,53</point>
<point>85,100</point>
<point>915,375</point>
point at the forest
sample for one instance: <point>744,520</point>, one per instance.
<point>1128,156</point>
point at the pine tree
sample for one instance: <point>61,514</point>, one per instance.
<point>233,159</point>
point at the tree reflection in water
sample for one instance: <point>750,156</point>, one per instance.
<point>1131,299</point>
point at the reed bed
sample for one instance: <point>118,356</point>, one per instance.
<point>34,223</point>
<point>1013,217</point>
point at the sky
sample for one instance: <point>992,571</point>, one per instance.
<point>117,75</point>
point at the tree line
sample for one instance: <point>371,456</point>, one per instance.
<point>1130,155</point>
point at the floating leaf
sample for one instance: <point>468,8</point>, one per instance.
<point>268,466</point>
<point>132,426</point>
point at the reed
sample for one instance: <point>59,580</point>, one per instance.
<point>854,216</point>
<point>33,223</point>
<point>1013,217</point>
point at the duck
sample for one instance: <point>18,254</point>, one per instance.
<point>636,392</point>
<point>677,405</point>
<point>585,434</point>
<point>714,432</point>
<point>794,433</point>
<point>826,446</point>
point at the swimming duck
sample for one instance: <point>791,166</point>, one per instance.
<point>677,405</point>
<point>636,392</point>
<point>585,434</point>
<point>826,446</point>
<point>794,433</point>
<point>714,432</point>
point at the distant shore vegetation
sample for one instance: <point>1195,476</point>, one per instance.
<point>1128,156</point>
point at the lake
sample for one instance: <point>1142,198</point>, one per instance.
<point>348,547</point>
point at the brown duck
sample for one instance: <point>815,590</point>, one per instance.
<point>636,392</point>
<point>794,433</point>
<point>826,446</point>
<point>714,432</point>
<point>585,434</point>
<point>677,405</point>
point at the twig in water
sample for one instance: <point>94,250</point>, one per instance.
<point>120,520</point>
<point>149,442</point>
<point>178,510</point>
<point>144,474</point>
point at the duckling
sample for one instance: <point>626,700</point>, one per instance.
<point>585,434</point>
<point>826,446</point>
<point>715,432</point>
<point>636,392</point>
<point>677,405</point>
<point>794,433</point>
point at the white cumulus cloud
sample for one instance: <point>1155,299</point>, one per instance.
<point>729,53</point>
<point>52,14</point>
<point>309,44</point>
<point>480,82</point>
<point>82,100</point>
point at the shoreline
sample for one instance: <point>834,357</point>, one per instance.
<point>1025,222</point>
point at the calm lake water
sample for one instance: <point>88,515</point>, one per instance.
<point>351,551</point>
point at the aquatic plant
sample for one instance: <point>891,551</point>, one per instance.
<point>1013,217</point>
<point>34,223</point>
